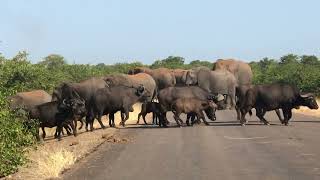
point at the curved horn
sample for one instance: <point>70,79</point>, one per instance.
<point>220,97</point>
<point>306,95</point>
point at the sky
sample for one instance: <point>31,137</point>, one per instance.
<point>111,31</point>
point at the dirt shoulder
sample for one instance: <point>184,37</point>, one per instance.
<point>49,159</point>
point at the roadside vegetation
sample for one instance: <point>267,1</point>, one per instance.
<point>19,74</point>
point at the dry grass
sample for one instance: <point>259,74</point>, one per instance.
<point>307,111</point>
<point>50,162</point>
<point>53,157</point>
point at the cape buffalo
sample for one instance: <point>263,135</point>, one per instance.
<point>275,96</point>
<point>54,113</point>
<point>85,89</point>
<point>150,107</point>
<point>192,105</point>
<point>112,99</point>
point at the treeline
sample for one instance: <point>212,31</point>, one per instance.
<point>303,71</point>
<point>19,74</point>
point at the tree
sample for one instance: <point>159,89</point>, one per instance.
<point>21,56</point>
<point>197,63</point>
<point>309,60</point>
<point>53,61</point>
<point>290,58</point>
<point>172,62</point>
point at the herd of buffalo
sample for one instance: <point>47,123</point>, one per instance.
<point>193,92</point>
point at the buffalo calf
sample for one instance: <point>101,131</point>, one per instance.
<point>192,105</point>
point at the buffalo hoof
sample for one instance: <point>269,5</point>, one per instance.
<point>243,124</point>
<point>207,124</point>
<point>103,127</point>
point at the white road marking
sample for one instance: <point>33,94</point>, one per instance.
<point>244,138</point>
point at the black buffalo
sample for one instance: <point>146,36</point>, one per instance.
<point>275,96</point>
<point>56,114</point>
<point>85,89</point>
<point>150,107</point>
<point>113,99</point>
<point>241,96</point>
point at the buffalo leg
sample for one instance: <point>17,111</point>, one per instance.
<point>177,118</point>
<point>74,126</point>
<point>67,128</point>
<point>279,116</point>
<point>111,120</point>
<point>287,113</point>
<point>154,118</point>
<point>59,129</point>
<point>243,120</point>
<point>100,122</point>
<point>43,132</point>
<point>144,119</point>
<point>126,112</point>
<point>81,121</point>
<point>188,118</point>
<point>260,113</point>
<point>238,112</point>
<point>201,116</point>
<point>139,115</point>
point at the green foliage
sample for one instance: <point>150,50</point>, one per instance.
<point>302,71</point>
<point>53,61</point>
<point>172,62</point>
<point>197,63</point>
<point>15,136</point>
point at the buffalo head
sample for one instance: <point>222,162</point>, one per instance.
<point>64,91</point>
<point>309,100</point>
<point>76,105</point>
<point>140,90</point>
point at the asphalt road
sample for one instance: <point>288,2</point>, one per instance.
<point>224,150</point>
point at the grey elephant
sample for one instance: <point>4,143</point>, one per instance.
<point>220,81</point>
<point>180,75</point>
<point>241,70</point>
<point>134,80</point>
<point>163,77</point>
<point>28,100</point>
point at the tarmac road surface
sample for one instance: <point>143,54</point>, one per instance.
<point>224,150</point>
